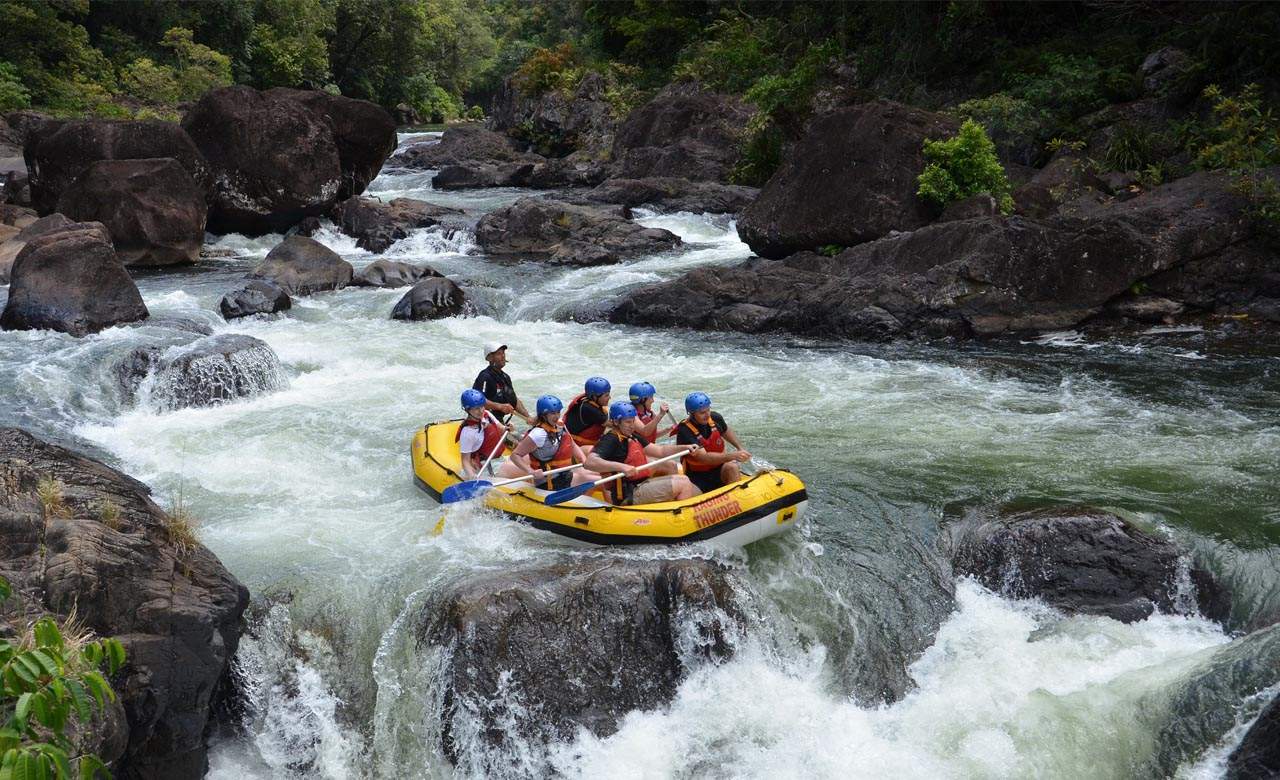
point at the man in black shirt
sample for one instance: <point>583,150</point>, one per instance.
<point>622,449</point>
<point>711,467</point>
<point>496,385</point>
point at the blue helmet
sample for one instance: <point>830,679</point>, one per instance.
<point>695,402</point>
<point>596,385</point>
<point>621,410</point>
<point>548,403</point>
<point>472,398</point>
<point>641,390</point>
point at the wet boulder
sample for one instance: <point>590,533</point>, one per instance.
<point>14,243</point>
<point>17,216</point>
<point>302,266</point>
<point>538,652</point>
<point>683,131</point>
<point>430,299</point>
<point>71,280</point>
<point>1257,757</point>
<point>389,273</point>
<point>99,546</point>
<point>274,160</point>
<point>258,296</point>
<point>459,144</point>
<point>364,132</point>
<point>568,234</point>
<point>207,372</point>
<point>153,209</point>
<point>674,194</point>
<point>850,179</point>
<point>1081,561</point>
<point>376,225</point>
<point>58,151</point>
<point>473,174</point>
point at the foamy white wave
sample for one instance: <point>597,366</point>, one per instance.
<point>244,246</point>
<point>433,242</point>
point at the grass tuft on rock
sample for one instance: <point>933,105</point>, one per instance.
<point>52,498</point>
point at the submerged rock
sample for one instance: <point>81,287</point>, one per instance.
<point>530,655</point>
<point>106,551</point>
<point>1080,560</point>
<point>850,179</point>
<point>1257,757</point>
<point>683,131</point>
<point>430,299</point>
<point>389,273</point>
<point>258,296</point>
<point>569,234</point>
<point>153,209</point>
<point>207,372</point>
<point>376,225</point>
<point>70,280</point>
<point>302,266</point>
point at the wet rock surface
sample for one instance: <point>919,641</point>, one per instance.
<point>207,372</point>
<point>376,225</point>
<point>153,209</point>
<point>1257,757</point>
<point>302,266</point>
<point>626,632</point>
<point>569,234</point>
<point>105,549</point>
<point>459,144</point>
<point>430,299</point>
<point>1081,561</point>
<point>364,133</point>
<point>673,194</point>
<point>258,296</point>
<point>556,123</point>
<point>69,279</point>
<point>389,273</point>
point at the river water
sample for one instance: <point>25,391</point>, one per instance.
<point>305,494</point>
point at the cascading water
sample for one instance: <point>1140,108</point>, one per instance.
<point>304,494</point>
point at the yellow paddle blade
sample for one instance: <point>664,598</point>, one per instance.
<point>439,529</point>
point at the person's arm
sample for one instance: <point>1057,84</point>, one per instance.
<point>742,456</point>
<point>523,412</point>
<point>520,457</point>
<point>598,461</point>
<point>578,455</point>
<point>663,450</point>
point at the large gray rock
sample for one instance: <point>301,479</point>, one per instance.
<point>58,151</point>
<point>364,132</point>
<point>1081,560</point>
<point>564,233</point>
<point>389,273</point>
<point>376,225</point>
<point>460,144</point>
<point>683,131</point>
<point>107,552</point>
<point>1189,240</point>
<point>535,653</point>
<point>14,243</point>
<point>207,372</point>
<point>430,299</point>
<point>849,180</point>
<point>71,280</point>
<point>473,174</point>
<point>556,123</point>
<point>674,194</point>
<point>153,209</point>
<point>258,296</point>
<point>302,266</point>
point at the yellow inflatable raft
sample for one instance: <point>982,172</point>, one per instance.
<point>756,506</point>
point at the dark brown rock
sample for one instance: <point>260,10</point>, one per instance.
<point>57,152</point>
<point>684,131</point>
<point>70,280</point>
<point>474,175</point>
<point>364,133</point>
<point>176,610</point>
<point>849,180</point>
<point>376,225</point>
<point>258,296</point>
<point>565,233</point>
<point>13,244</point>
<point>674,194</point>
<point>430,299</point>
<point>302,266</point>
<point>556,123</point>
<point>389,273</point>
<point>460,144</point>
<point>152,208</point>
<point>1257,757</point>
<point>972,207</point>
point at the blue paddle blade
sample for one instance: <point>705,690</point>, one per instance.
<point>465,491</point>
<point>568,494</point>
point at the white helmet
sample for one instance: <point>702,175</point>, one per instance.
<point>492,347</point>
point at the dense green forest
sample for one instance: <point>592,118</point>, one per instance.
<point>1027,72</point>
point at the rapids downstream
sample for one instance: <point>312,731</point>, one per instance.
<point>305,494</point>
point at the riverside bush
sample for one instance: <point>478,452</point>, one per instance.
<point>12,94</point>
<point>1246,135</point>
<point>47,677</point>
<point>432,102</point>
<point>550,69</point>
<point>963,165</point>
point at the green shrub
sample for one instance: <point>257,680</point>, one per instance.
<point>1065,86</point>
<point>737,52</point>
<point>432,102</point>
<point>47,679</point>
<point>1131,148</point>
<point>963,165</point>
<point>1263,196</point>
<point>1009,121</point>
<point>475,114</point>
<point>13,95</point>
<point>761,153</point>
<point>547,70</point>
<point>1246,135</point>
<point>151,83</point>
<point>200,68</point>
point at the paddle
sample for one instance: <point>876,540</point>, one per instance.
<point>439,529</point>
<point>465,491</point>
<point>570,493</point>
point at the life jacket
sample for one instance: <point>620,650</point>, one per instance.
<point>712,443</point>
<point>556,453</point>
<point>587,437</point>
<point>622,489</point>
<point>493,434</point>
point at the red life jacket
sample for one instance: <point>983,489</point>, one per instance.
<point>623,488</point>
<point>587,437</point>
<point>712,443</point>
<point>563,455</point>
<point>493,434</point>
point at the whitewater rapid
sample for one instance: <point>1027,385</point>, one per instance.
<point>305,494</point>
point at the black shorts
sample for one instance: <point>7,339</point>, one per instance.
<point>558,481</point>
<point>706,481</point>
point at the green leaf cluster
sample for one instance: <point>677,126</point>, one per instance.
<point>13,95</point>
<point>961,166</point>
<point>44,683</point>
<point>1245,134</point>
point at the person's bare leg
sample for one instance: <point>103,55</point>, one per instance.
<point>730,473</point>
<point>509,470</point>
<point>582,477</point>
<point>683,488</point>
<point>664,469</point>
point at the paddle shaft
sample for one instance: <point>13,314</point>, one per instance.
<point>501,442</point>
<point>621,474</point>
<point>560,470</point>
